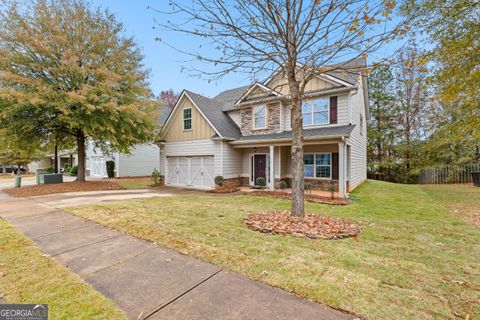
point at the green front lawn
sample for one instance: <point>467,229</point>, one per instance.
<point>134,183</point>
<point>414,260</point>
<point>29,276</point>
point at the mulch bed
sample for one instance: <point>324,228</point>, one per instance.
<point>308,197</point>
<point>226,187</point>
<point>38,190</point>
<point>312,226</point>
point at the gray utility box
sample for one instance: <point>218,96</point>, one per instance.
<point>51,178</point>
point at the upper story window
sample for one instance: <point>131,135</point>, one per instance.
<point>316,111</point>
<point>187,119</point>
<point>260,117</point>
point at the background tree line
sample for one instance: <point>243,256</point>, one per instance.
<point>425,104</point>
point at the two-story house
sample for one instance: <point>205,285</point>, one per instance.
<point>245,133</point>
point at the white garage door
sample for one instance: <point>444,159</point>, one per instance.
<point>191,171</point>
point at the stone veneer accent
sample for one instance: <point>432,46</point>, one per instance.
<point>316,184</point>
<point>273,120</point>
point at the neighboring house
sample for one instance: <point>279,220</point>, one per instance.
<point>142,160</point>
<point>245,133</point>
<point>65,157</point>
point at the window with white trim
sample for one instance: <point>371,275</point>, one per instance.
<point>318,165</point>
<point>259,117</point>
<point>316,111</point>
<point>187,119</point>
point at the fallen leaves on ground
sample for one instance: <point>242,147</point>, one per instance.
<point>43,189</point>
<point>307,197</point>
<point>226,187</point>
<point>312,225</point>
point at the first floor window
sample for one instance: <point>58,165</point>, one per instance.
<point>187,119</point>
<point>308,161</point>
<point>318,165</point>
<point>322,165</point>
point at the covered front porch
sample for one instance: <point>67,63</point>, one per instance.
<point>325,161</point>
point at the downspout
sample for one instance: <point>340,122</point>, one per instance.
<point>349,107</point>
<point>221,157</point>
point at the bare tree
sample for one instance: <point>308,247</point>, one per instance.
<point>300,38</point>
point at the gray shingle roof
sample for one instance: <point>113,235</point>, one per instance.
<point>215,109</point>
<point>211,108</point>
<point>352,68</point>
<point>308,133</point>
<point>164,113</point>
<point>228,97</point>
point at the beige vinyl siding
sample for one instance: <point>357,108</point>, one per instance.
<point>318,84</point>
<point>279,83</point>
<point>358,141</point>
<point>230,157</point>
<point>287,155</point>
<point>342,109</point>
<point>236,116</point>
<point>342,113</point>
<point>201,129</point>
<point>161,154</point>
<point>277,161</point>
<point>205,147</point>
<point>232,161</point>
<point>286,121</point>
<point>141,162</point>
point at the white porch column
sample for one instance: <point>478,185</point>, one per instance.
<point>58,163</point>
<point>272,171</point>
<point>342,172</point>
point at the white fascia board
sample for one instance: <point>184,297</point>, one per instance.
<point>184,93</point>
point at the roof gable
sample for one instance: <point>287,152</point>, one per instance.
<point>184,95</point>
<point>256,91</point>
<point>211,110</point>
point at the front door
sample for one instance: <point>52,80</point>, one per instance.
<point>260,167</point>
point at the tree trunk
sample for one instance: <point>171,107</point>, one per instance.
<point>81,156</point>
<point>56,159</point>
<point>298,174</point>
<point>4,171</point>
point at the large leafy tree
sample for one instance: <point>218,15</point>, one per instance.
<point>17,151</point>
<point>452,27</point>
<point>412,103</point>
<point>68,70</point>
<point>382,131</point>
<point>401,117</point>
<point>299,38</point>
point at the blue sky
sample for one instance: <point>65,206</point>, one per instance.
<point>164,62</point>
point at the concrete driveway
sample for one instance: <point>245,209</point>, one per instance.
<point>62,200</point>
<point>145,280</point>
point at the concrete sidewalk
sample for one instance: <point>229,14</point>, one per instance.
<point>151,282</point>
<point>27,181</point>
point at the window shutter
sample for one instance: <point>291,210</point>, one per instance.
<point>333,110</point>
<point>335,166</point>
